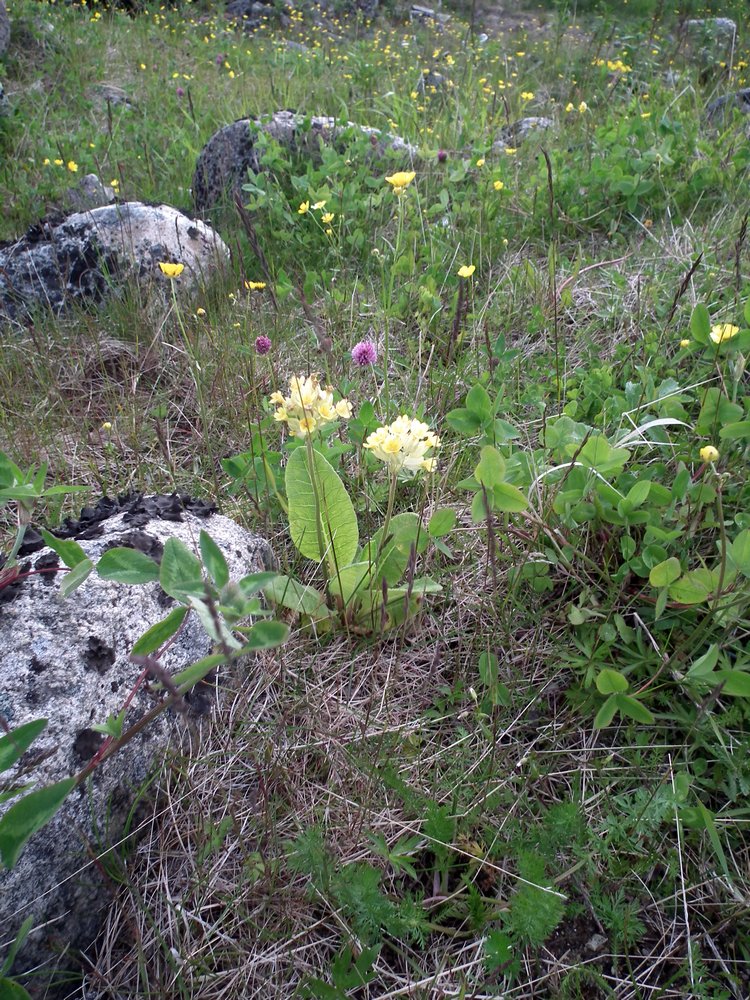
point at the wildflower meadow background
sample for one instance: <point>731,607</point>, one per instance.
<point>489,404</point>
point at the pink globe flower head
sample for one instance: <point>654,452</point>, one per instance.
<point>364,353</point>
<point>263,345</point>
<point>220,59</point>
<point>180,92</point>
<point>442,156</point>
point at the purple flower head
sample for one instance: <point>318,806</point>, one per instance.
<point>263,345</point>
<point>180,92</point>
<point>442,156</point>
<point>364,353</point>
<point>220,60</point>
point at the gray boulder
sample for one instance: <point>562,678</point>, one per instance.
<point>4,28</point>
<point>67,660</point>
<point>229,154</point>
<point>89,255</point>
<point>4,106</point>
<point>722,108</point>
<point>515,133</point>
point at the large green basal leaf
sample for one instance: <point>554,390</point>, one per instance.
<point>339,533</point>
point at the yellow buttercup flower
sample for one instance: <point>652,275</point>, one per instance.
<point>709,453</point>
<point>304,207</point>
<point>498,185</point>
<point>570,106</point>
<point>480,162</point>
<point>722,332</point>
<point>404,446</point>
<point>308,406</point>
<point>401,180</point>
<point>685,342</point>
<point>318,205</point>
<point>466,270</point>
<point>327,218</point>
<point>527,95</point>
<point>583,106</point>
<point>171,270</point>
<point>255,286</point>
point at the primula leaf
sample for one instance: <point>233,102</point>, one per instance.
<point>633,708</point>
<point>296,596</point>
<point>24,818</point>
<point>336,535</point>
<point>735,682</point>
<point>508,499</point>
<point>441,522</point>
<point>404,531</point>
<point>479,402</point>
<point>739,551</point>
<point>606,713</point>
<point>265,635</point>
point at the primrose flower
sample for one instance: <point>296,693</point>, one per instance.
<point>364,353</point>
<point>709,453</point>
<point>466,270</point>
<point>403,446</point>
<point>263,344</point>
<point>401,180</point>
<point>722,332</point>
<point>171,270</point>
<point>308,406</point>
<point>304,207</point>
<point>583,106</point>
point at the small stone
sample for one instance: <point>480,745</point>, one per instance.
<point>596,942</point>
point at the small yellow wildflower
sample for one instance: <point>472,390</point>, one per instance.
<point>318,205</point>
<point>171,270</point>
<point>114,183</point>
<point>570,106</point>
<point>200,311</point>
<point>304,208</point>
<point>498,185</point>
<point>255,286</point>
<point>709,453</point>
<point>106,426</point>
<point>583,106</point>
<point>58,163</point>
<point>328,217</point>
<point>723,331</point>
<point>401,180</point>
<point>46,161</point>
<point>480,162</point>
<point>685,342</point>
<point>527,95</point>
<point>466,270</point>
<point>510,150</point>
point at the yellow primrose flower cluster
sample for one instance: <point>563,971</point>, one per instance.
<point>403,446</point>
<point>308,406</point>
<point>401,180</point>
<point>613,65</point>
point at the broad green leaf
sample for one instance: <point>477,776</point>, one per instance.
<point>694,587</point>
<point>75,577</point>
<point>490,471</point>
<point>441,522</point>
<point>633,708</point>
<point>704,665</point>
<point>351,582</point>
<point>157,635</point>
<point>181,573</point>
<point>213,560</point>
<point>266,635</point>
<point>127,566</point>
<point>479,402</point>
<point>488,667</point>
<point>665,572</point>
<point>296,596</point>
<point>598,454</point>
<point>638,493</point>
<point>330,533</point>
<point>11,990</point>
<point>405,530</point>
<point>15,743</point>
<point>508,499</point>
<point>739,551</point>
<point>610,681</point>
<point>606,713</point>
<point>738,431</point>
<point>28,815</point>
<point>700,324</point>
<point>69,551</point>
<point>735,682</point>
<point>479,510</point>
<point>464,422</point>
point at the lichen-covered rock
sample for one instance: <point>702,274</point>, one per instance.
<point>89,193</point>
<point>88,255</point>
<point>722,107</point>
<point>67,660</point>
<point>4,106</point>
<point>229,154</point>
<point>4,28</point>
<point>515,133</point>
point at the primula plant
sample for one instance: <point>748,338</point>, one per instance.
<point>370,587</point>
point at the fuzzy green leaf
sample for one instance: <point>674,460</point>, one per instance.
<point>158,634</point>
<point>213,560</point>
<point>15,743</point>
<point>181,573</point>
<point>69,551</point>
<point>127,566</point>
<point>28,815</point>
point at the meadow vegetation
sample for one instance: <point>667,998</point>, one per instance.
<point>519,767</point>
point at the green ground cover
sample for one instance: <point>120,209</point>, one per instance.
<point>528,776</point>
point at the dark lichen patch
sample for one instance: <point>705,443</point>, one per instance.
<point>99,656</point>
<point>86,744</point>
<point>46,565</point>
<point>142,541</point>
<point>36,665</point>
<point>11,589</point>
